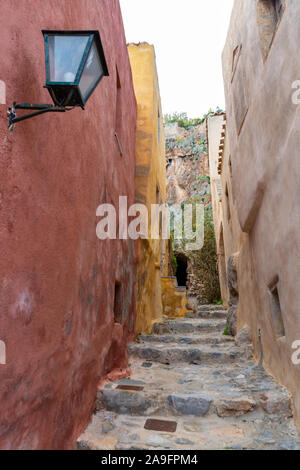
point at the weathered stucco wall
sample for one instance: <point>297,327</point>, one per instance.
<point>263,130</point>
<point>233,248</point>
<point>150,182</point>
<point>57,280</point>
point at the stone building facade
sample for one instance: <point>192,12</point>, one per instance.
<point>67,303</point>
<point>257,189</point>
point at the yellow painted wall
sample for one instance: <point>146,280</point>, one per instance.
<point>174,298</point>
<point>150,182</point>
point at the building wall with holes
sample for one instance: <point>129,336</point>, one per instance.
<point>260,65</point>
<point>57,279</point>
<point>150,182</point>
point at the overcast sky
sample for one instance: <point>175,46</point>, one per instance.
<point>189,36</point>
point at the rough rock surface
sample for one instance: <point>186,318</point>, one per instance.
<point>219,398</point>
<point>188,182</point>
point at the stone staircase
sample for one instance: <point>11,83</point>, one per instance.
<point>207,389</point>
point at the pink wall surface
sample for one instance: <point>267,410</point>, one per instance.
<point>57,279</point>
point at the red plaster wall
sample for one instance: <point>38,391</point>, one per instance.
<point>56,278</point>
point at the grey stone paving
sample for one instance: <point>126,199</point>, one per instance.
<point>192,374</point>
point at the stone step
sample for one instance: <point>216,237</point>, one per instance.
<point>208,314</point>
<point>184,326</point>
<point>167,354</point>
<point>208,338</point>
<point>206,307</point>
<point>199,390</point>
<point>150,402</point>
<point>112,431</point>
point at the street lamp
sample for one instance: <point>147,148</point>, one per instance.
<point>75,64</point>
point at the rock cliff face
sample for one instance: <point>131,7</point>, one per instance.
<point>188,182</point>
<point>187,164</point>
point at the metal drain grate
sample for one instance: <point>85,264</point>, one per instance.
<point>160,425</point>
<point>133,388</point>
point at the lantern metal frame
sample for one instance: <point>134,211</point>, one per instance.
<point>65,95</point>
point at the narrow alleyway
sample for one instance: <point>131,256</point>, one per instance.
<point>203,382</point>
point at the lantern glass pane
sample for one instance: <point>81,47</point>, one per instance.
<point>65,55</point>
<point>92,72</point>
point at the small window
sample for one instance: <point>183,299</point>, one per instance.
<point>279,6</point>
<point>276,313</point>
<point>230,166</point>
<point>227,203</point>
<point>269,13</point>
<point>118,303</point>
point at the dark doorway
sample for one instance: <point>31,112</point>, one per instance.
<point>118,303</point>
<point>181,271</point>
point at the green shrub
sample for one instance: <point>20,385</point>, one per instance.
<point>184,121</point>
<point>206,261</point>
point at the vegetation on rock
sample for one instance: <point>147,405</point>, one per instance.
<point>184,121</point>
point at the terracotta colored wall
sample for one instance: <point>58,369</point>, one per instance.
<point>150,181</point>
<point>263,131</point>
<point>56,278</point>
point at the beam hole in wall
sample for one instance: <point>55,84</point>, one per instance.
<point>275,307</point>
<point>118,302</point>
<point>181,270</point>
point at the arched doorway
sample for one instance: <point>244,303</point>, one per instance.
<point>181,270</point>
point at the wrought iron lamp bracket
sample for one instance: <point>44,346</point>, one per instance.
<point>37,108</point>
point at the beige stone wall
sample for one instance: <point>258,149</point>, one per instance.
<point>260,62</point>
<point>214,130</point>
